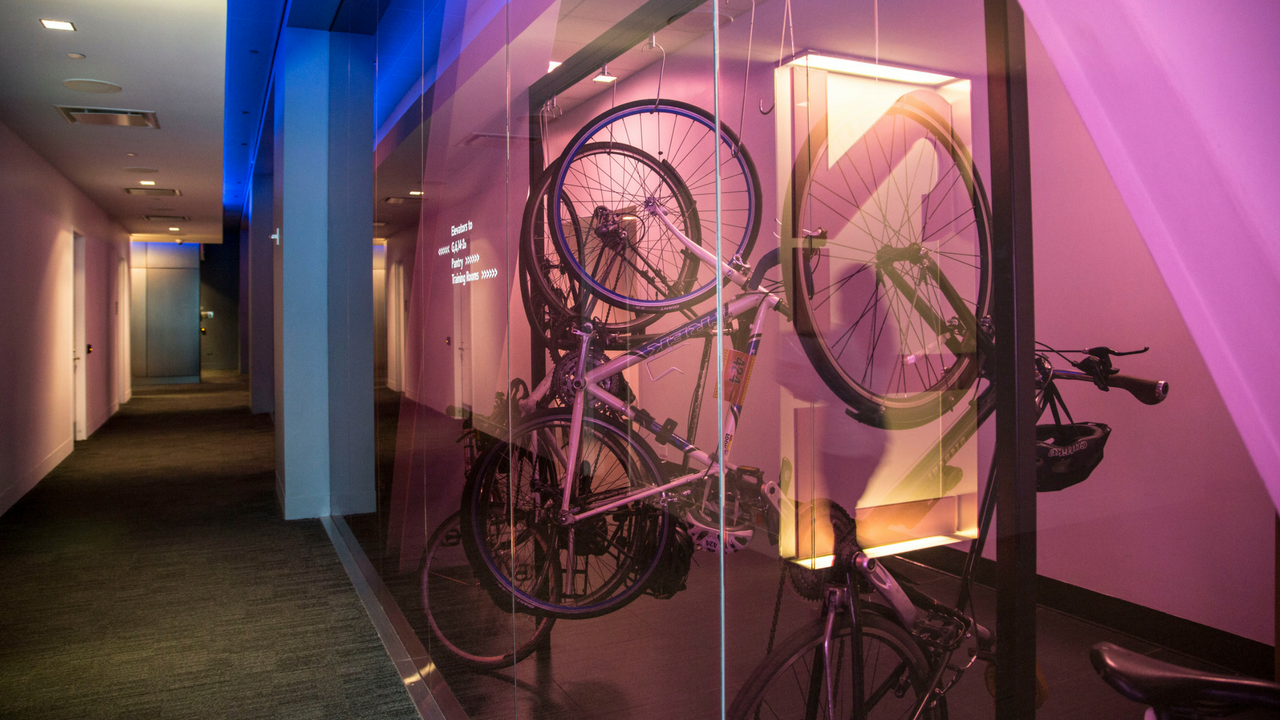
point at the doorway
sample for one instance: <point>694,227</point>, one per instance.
<point>79,346</point>
<point>395,327</point>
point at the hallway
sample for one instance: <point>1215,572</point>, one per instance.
<point>151,575</point>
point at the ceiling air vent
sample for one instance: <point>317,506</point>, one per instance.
<point>108,116</point>
<point>152,191</point>
<point>167,218</point>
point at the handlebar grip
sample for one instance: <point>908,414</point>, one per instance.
<point>1150,392</point>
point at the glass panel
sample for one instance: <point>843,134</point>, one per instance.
<point>865,400</point>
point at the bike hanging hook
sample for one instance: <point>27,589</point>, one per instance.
<point>787,25</point>
<point>662,69</point>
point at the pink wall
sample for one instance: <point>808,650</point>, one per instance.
<point>1179,99</point>
<point>41,211</point>
<point>1176,518</point>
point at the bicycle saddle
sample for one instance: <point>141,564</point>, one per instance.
<point>1182,691</point>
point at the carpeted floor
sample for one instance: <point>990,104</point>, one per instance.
<point>151,575</point>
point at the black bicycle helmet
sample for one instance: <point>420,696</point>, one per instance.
<point>1066,453</point>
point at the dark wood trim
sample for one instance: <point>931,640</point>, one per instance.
<point>1230,652</point>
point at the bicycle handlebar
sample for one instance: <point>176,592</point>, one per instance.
<point>1148,392</point>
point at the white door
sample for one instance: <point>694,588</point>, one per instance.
<point>395,327</point>
<point>79,346</point>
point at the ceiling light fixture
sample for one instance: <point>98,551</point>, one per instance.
<point>871,70</point>
<point>76,56</point>
<point>553,65</point>
<point>415,192</point>
<point>604,76</point>
<point>175,229</point>
<point>146,182</point>
<point>58,25</point>
<point>99,87</point>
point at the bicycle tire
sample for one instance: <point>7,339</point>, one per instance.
<point>782,685</point>
<point>851,312</point>
<point>672,277</point>
<point>614,553</point>
<point>551,295</point>
<point>461,614</point>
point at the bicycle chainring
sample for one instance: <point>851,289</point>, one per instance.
<point>566,371</point>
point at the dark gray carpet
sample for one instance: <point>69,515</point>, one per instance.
<point>151,575</point>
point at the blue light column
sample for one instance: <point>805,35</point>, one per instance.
<point>322,195</point>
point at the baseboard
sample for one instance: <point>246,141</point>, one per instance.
<point>174,380</point>
<point>1227,650</point>
<point>422,679</point>
<point>13,494</point>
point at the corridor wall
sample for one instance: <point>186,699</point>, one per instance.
<point>41,210</point>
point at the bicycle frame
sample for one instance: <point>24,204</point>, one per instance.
<point>751,301</point>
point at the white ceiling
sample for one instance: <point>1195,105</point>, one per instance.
<point>169,57</point>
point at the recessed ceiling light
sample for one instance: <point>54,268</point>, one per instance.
<point>146,182</point>
<point>100,87</point>
<point>58,25</point>
<point>415,192</point>
<point>553,65</point>
<point>871,70</point>
<point>174,229</point>
<point>131,154</point>
<point>76,56</point>
<point>604,76</point>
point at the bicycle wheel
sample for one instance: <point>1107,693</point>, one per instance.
<point>625,255</point>
<point>887,306</point>
<point>552,297</point>
<point>511,509</point>
<point>790,682</point>
<point>462,615</point>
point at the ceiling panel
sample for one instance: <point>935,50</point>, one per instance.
<point>168,57</point>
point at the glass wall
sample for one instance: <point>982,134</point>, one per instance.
<point>553,208</point>
<point>656,403</point>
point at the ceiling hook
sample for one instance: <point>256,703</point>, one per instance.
<point>771,106</point>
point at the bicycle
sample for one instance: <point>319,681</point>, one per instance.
<point>479,630</point>
<point>609,529</point>
<point>1178,693</point>
<point>889,655</point>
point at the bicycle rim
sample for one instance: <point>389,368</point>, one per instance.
<point>463,616</point>
<point>514,498</point>
<point>887,306</point>
<point>790,683</point>
<point>552,296</point>
<point>660,273</point>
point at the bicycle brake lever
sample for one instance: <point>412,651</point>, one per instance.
<point>1117,353</point>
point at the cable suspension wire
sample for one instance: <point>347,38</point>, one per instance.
<point>720,452</point>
